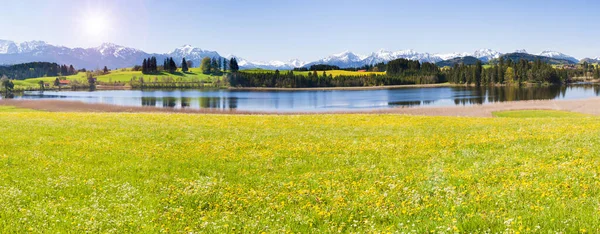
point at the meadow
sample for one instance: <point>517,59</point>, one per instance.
<point>148,173</point>
<point>122,76</point>
<point>334,73</point>
<point>194,74</point>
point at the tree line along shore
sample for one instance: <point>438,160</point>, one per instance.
<point>226,73</point>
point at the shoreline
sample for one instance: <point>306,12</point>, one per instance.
<point>589,106</point>
<point>447,84</point>
<point>345,88</point>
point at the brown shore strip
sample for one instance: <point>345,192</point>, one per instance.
<point>586,106</point>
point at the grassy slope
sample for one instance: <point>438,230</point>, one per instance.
<point>334,73</point>
<point>71,172</point>
<point>120,76</point>
<point>538,114</point>
<point>14,109</point>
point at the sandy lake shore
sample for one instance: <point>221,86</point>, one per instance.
<point>586,106</point>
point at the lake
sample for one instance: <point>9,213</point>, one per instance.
<point>318,100</point>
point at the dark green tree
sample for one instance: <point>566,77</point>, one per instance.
<point>214,65</point>
<point>233,65</point>
<point>184,65</point>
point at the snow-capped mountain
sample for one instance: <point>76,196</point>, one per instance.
<point>486,54</point>
<point>193,54</point>
<point>116,56</point>
<point>482,54</point>
<point>523,51</point>
<point>271,65</point>
<point>343,59</point>
<point>8,47</point>
<point>452,55</point>
<point>349,59</point>
<point>385,56</point>
<point>107,54</point>
<point>558,55</point>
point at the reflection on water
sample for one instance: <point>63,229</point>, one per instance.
<point>320,100</point>
<point>188,102</point>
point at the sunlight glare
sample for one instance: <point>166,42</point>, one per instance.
<point>95,24</point>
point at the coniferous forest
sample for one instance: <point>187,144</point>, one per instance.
<point>36,69</point>
<point>404,71</point>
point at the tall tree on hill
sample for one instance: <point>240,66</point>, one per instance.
<point>225,64</point>
<point>166,65</point>
<point>478,71</point>
<point>214,65</point>
<point>205,65</point>
<point>184,65</point>
<point>144,67</point>
<point>172,65</point>
<point>105,70</point>
<point>72,70</point>
<point>233,65</point>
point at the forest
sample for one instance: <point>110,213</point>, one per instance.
<point>400,72</point>
<point>36,69</point>
<point>516,73</point>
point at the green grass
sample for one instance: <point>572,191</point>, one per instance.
<point>149,173</point>
<point>334,73</point>
<point>538,114</point>
<point>13,109</point>
<point>123,76</point>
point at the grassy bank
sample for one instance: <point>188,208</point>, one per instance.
<point>123,76</point>
<point>98,172</point>
<point>334,73</point>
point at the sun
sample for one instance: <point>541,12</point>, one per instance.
<point>95,24</point>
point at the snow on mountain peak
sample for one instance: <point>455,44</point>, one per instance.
<point>296,63</point>
<point>8,47</point>
<point>521,51</point>
<point>29,46</point>
<point>486,54</point>
<point>345,56</point>
<point>185,50</point>
<point>557,55</point>
<point>452,55</point>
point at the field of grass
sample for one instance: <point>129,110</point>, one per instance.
<point>13,109</point>
<point>538,114</point>
<point>120,76</point>
<point>334,73</point>
<point>148,173</point>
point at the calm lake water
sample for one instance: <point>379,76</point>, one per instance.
<point>319,100</point>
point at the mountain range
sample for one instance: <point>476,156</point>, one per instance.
<point>116,56</point>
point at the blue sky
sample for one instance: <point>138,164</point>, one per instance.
<point>309,29</point>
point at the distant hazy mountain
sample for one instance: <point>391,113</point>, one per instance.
<point>558,55</point>
<point>271,65</point>
<point>530,57</point>
<point>343,60</point>
<point>452,55</point>
<point>591,60</point>
<point>486,55</point>
<point>467,60</point>
<point>481,54</point>
<point>116,56</point>
<point>107,54</point>
<point>349,59</point>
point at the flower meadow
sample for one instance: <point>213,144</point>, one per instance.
<point>183,173</point>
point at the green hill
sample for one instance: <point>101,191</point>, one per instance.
<point>467,60</point>
<point>530,57</point>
